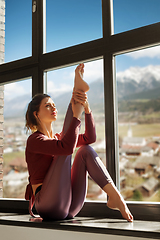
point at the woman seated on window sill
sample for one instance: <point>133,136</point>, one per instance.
<point>58,189</point>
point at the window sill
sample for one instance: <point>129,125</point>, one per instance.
<point>93,218</point>
<point>120,227</point>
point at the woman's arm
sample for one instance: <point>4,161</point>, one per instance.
<point>41,144</point>
<point>64,146</point>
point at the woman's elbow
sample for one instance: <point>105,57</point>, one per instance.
<point>95,139</point>
<point>70,150</point>
<point>92,139</point>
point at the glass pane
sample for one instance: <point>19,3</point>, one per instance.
<point>129,14</point>
<point>59,87</point>
<point>15,174</point>
<point>18,29</point>
<point>138,90</point>
<point>70,22</point>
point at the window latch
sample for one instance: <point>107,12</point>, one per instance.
<point>34,7</point>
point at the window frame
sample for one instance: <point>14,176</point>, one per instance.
<point>106,47</point>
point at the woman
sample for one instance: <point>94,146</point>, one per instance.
<point>59,189</point>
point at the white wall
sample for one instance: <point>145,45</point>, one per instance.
<point>26,233</point>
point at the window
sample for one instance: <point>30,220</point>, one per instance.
<point>91,46</point>
<point>69,24</point>
<point>18,27</point>
<point>130,14</point>
<point>138,89</point>
<point>15,174</point>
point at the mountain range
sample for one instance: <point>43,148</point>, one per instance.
<point>139,83</point>
<point>132,84</point>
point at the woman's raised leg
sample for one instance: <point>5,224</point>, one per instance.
<point>54,199</point>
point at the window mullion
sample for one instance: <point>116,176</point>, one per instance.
<point>107,19</point>
<point>107,14</point>
<point>37,44</point>
<point>109,116</point>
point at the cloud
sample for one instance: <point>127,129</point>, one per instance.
<point>15,89</point>
<point>152,52</point>
<point>61,76</point>
<point>55,90</point>
<point>139,74</point>
<point>93,70</point>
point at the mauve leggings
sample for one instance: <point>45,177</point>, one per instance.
<point>64,188</point>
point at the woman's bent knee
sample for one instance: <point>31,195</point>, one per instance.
<point>86,149</point>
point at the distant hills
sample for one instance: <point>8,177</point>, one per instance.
<point>148,94</point>
<point>132,85</point>
<point>16,108</point>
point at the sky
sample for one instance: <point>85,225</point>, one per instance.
<point>72,22</point>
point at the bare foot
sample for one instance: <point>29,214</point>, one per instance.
<point>79,83</point>
<point>117,202</point>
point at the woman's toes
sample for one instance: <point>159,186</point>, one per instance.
<point>130,218</point>
<point>126,214</point>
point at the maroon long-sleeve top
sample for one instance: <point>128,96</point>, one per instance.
<point>40,150</point>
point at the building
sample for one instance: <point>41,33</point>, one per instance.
<point>149,187</point>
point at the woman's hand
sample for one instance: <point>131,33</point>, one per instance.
<point>81,97</point>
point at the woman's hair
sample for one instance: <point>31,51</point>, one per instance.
<point>33,106</point>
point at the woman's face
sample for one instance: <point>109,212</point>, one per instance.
<point>47,111</point>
